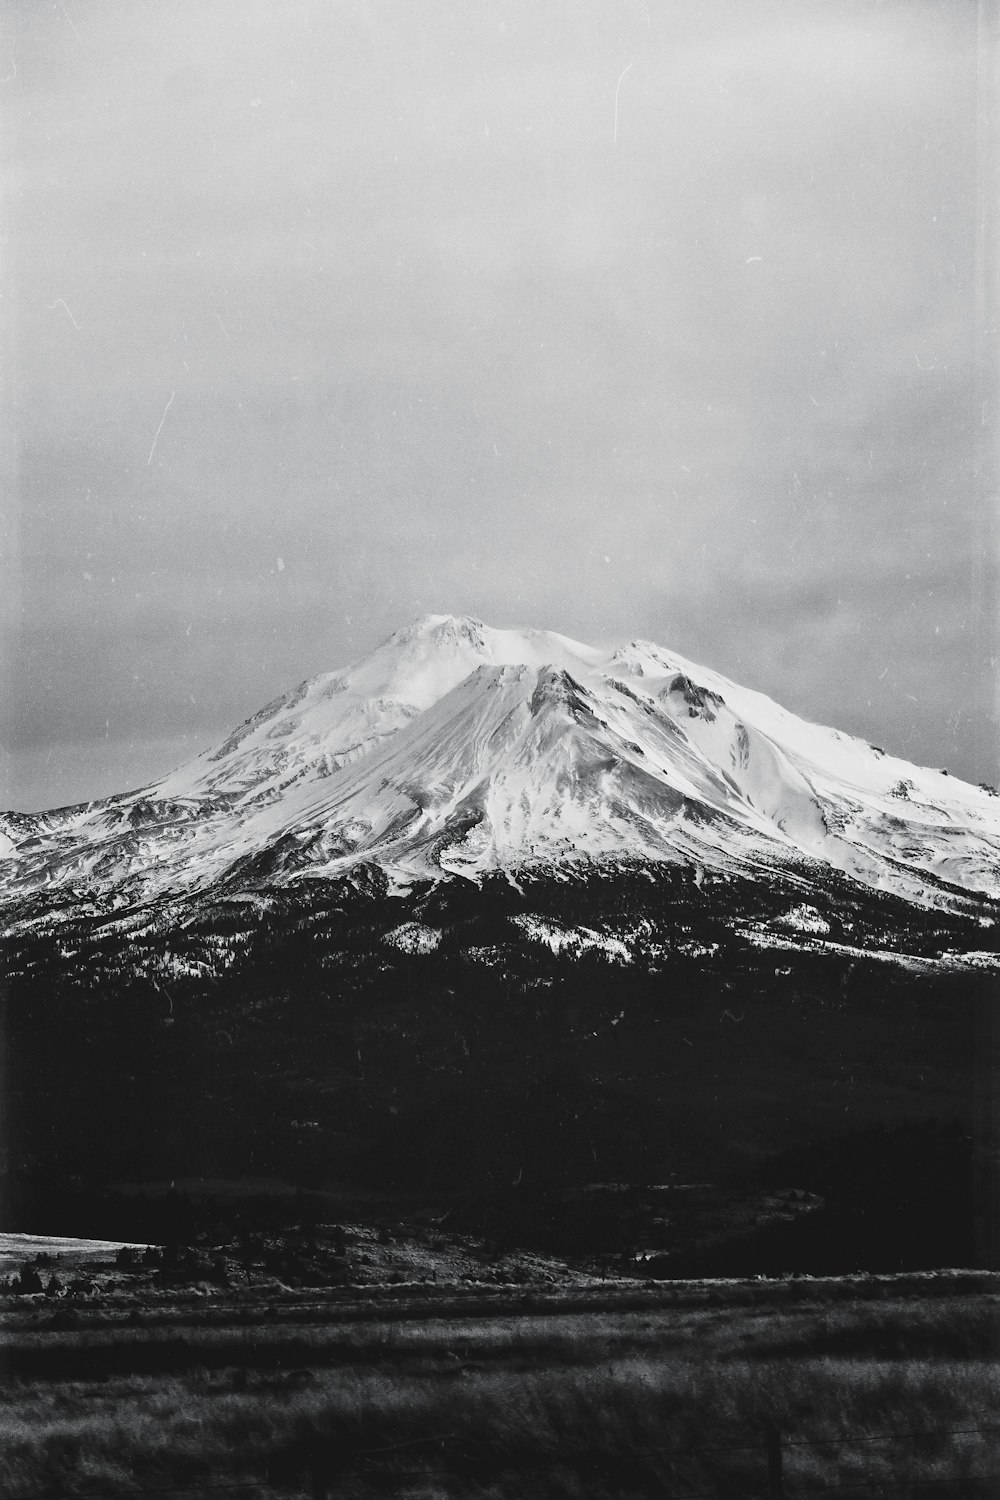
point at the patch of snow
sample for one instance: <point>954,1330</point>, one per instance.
<point>804,918</point>
<point>575,940</point>
<point>414,937</point>
<point>692,949</point>
<point>174,965</point>
<point>974,960</point>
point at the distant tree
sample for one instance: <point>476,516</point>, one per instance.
<point>28,1281</point>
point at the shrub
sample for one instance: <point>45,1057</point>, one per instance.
<point>27,1281</point>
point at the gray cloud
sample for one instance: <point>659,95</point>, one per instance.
<point>442,329</point>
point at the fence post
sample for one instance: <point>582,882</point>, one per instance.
<point>775,1476</point>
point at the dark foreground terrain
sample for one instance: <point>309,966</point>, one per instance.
<point>634,1061</point>
<point>621,1187</point>
<point>203,1371</point>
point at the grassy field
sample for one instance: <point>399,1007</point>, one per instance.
<point>889,1393</point>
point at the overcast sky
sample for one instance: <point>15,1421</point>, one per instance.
<point>618,317</point>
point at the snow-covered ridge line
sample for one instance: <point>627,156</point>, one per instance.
<point>456,749</point>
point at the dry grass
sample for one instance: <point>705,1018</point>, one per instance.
<point>601,1405</point>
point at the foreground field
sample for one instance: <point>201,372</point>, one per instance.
<point>886,1387</point>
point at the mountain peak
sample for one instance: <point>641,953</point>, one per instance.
<point>441,628</point>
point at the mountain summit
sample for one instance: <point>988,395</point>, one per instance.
<point>456,749</point>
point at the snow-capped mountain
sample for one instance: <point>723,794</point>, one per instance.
<point>457,749</point>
